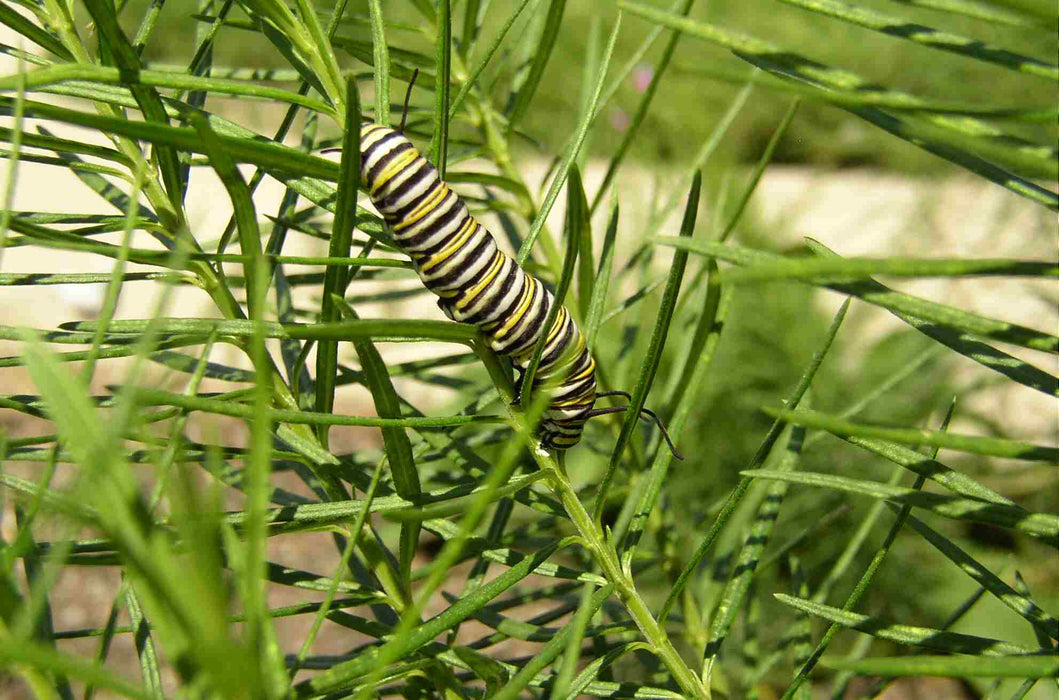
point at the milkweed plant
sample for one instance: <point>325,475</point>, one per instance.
<point>827,531</point>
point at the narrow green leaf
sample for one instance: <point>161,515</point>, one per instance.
<point>489,670</point>
<point>802,635</point>
<point>156,397</point>
<point>476,72</point>
<point>995,13</point>
<point>439,145</point>
<point>653,356</point>
<point>928,36</point>
<point>255,268</point>
<point>315,42</point>
<point>392,330</point>
<point>1044,634</point>
<point>575,147</point>
<point>951,327</point>
<point>845,560</point>
<point>886,100</point>
<point>824,270</point>
<point>569,664</point>
<point>952,666</point>
<point>36,655</point>
<point>996,447</point>
<point>382,63</point>
<point>260,152</point>
<point>25,28</point>
<point>759,170</point>
<point>943,323</point>
<point>141,628</point>
<point>905,634</point>
<point>1021,604</point>
<point>473,15</point>
<point>336,277</point>
<point>1042,525</point>
<point>633,299</point>
<point>70,146</point>
<point>601,285</point>
<point>955,481</point>
<point>641,109</point>
<point>753,547</point>
<point>125,55</point>
<point>403,63</point>
<point>543,49</point>
<point>395,442</point>
<point>739,492</point>
<point>351,542</point>
<point>103,75</point>
<point>938,134</point>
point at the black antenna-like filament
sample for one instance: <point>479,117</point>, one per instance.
<point>651,414</point>
<point>404,111</point>
<point>407,98</point>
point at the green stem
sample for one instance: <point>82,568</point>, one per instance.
<point>592,537</point>
<point>607,559</point>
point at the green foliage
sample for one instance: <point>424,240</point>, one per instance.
<point>656,578</point>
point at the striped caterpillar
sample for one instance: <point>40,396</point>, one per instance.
<point>458,260</point>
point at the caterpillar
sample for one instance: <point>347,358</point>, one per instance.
<point>458,260</point>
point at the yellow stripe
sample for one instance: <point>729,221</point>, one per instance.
<point>449,250</point>
<point>557,326</point>
<point>487,279</point>
<point>393,168</point>
<point>586,373</point>
<point>370,130</point>
<point>570,403</point>
<point>425,207</point>
<point>519,312</point>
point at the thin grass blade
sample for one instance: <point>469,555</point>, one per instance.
<point>336,277</point>
<point>653,356</point>
<point>904,634</point>
<point>952,666</point>
<point>1042,525</point>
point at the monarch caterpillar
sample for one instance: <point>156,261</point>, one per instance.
<point>458,260</point>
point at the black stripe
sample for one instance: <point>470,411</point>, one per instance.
<point>533,286</point>
<point>437,226</point>
<point>567,335</point>
<point>462,292</point>
<point>451,276</point>
<point>424,170</point>
<point>571,390</point>
<point>532,322</point>
<point>502,288</point>
<point>442,221</point>
<point>371,176</point>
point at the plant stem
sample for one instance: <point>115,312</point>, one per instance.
<point>591,534</point>
<point>607,559</point>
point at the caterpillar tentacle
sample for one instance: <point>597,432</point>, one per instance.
<point>458,260</point>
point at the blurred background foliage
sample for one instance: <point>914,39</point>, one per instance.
<point>688,105</point>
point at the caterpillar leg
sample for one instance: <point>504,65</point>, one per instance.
<point>446,308</point>
<point>521,375</point>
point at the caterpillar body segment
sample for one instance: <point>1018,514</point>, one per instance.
<point>458,260</point>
